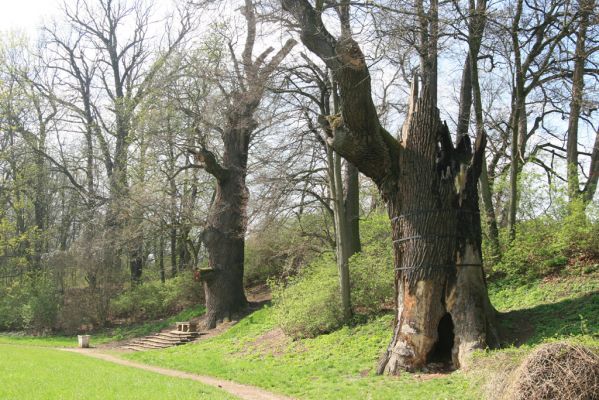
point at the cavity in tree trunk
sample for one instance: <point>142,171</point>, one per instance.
<point>430,186</point>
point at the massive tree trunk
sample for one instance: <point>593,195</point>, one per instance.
<point>442,306</point>
<point>224,233</point>
<point>443,311</point>
<point>224,237</point>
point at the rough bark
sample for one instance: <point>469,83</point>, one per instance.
<point>436,227</point>
<point>224,237</point>
<point>224,233</point>
<point>431,191</point>
<point>352,208</point>
<point>580,57</point>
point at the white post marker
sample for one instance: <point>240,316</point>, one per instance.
<point>83,341</point>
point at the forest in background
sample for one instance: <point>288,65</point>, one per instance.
<point>116,123</point>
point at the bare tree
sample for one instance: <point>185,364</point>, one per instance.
<point>224,232</point>
<point>582,55</point>
<point>125,70</point>
<point>431,190</point>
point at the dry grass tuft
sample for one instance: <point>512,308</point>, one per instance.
<point>556,371</point>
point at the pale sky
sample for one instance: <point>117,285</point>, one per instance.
<point>26,15</point>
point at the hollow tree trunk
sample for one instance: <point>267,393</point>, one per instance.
<point>443,311</point>
<point>431,191</point>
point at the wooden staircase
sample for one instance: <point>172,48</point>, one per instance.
<point>163,339</point>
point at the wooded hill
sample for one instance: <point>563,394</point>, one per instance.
<point>413,151</point>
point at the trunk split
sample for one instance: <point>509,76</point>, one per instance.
<point>431,191</point>
<point>443,311</point>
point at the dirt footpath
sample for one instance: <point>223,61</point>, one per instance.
<point>245,392</point>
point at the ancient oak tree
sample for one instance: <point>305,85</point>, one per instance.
<point>224,233</point>
<point>430,186</point>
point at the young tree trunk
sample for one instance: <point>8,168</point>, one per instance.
<point>341,230</point>
<point>351,192</point>
<point>580,57</point>
<point>160,255</point>
<point>346,206</point>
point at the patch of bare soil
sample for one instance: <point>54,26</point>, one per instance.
<point>259,294</point>
<point>242,391</point>
<point>273,342</point>
<point>428,377</point>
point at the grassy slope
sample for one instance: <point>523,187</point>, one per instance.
<point>328,367</point>
<point>340,365</point>
<point>35,373</point>
<point>560,308</point>
<point>106,336</point>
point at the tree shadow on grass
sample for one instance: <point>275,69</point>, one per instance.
<point>569,317</point>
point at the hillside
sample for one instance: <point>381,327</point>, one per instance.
<point>341,364</point>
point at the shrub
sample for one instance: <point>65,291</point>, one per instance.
<point>309,304</point>
<point>152,300</point>
<point>31,303</point>
<point>578,234</point>
<point>371,271</point>
<point>281,248</point>
<point>545,245</point>
<point>534,252</point>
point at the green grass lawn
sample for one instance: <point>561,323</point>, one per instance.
<point>340,365</point>
<point>106,335</point>
<point>562,308</point>
<point>36,373</point>
<point>334,366</point>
